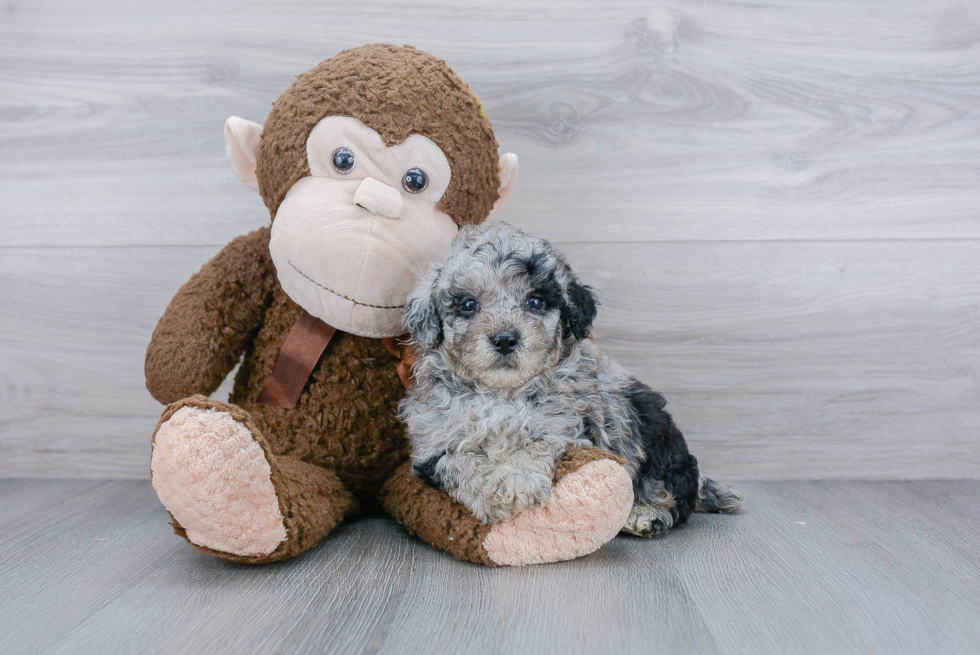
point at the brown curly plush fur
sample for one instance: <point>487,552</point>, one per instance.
<point>453,528</point>
<point>396,92</point>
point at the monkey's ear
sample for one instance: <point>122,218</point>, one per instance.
<point>580,310</point>
<point>241,143</point>
<point>421,315</point>
<point>508,180</point>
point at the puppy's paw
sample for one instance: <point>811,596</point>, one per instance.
<point>590,501</point>
<point>516,491</point>
<point>648,521</point>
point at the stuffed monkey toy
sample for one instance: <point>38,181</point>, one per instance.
<point>368,164</point>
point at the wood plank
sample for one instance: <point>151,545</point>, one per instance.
<point>606,606</point>
<point>780,360</point>
<point>806,567</point>
<point>337,595</point>
<point>27,496</point>
<point>674,121</point>
<point>73,555</point>
<point>837,567</point>
<point>72,343</point>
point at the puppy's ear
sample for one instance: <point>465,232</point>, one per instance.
<point>422,316</point>
<point>580,310</point>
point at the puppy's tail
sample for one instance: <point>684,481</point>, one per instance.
<point>716,498</point>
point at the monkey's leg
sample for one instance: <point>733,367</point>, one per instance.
<point>229,495</point>
<point>589,504</point>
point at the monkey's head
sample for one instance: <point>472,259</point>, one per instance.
<point>369,164</point>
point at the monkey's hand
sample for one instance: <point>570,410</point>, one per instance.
<point>205,329</point>
<point>590,500</point>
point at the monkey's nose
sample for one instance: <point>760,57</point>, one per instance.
<point>504,342</point>
<point>379,198</point>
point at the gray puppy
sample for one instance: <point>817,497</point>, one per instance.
<point>508,380</point>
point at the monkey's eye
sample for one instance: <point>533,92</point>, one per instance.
<point>469,306</point>
<point>343,160</point>
<point>534,303</point>
<point>415,180</point>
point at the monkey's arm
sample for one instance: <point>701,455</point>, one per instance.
<point>591,500</point>
<point>208,323</point>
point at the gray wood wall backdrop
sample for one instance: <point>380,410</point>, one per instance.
<point>779,203</point>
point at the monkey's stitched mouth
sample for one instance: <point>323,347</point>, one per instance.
<point>340,295</point>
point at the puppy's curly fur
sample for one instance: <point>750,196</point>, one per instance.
<point>508,380</point>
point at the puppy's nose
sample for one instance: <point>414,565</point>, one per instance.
<point>379,198</point>
<point>504,342</point>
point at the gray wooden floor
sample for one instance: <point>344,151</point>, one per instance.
<point>809,567</point>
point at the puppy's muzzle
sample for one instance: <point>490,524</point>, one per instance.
<point>504,342</point>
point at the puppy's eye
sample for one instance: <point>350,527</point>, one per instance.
<point>343,160</point>
<point>534,303</point>
<point>415,180</point>
<point>469,306</point>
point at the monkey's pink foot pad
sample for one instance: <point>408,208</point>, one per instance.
<point>214,478</point>
<point>587,508</point>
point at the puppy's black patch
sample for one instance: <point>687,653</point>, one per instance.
<point>535,263</point>
<point>667,456</point>
<point>549,292</point>
<point>580,311</point>
<point>576,302</point>
<point>427,470</point>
